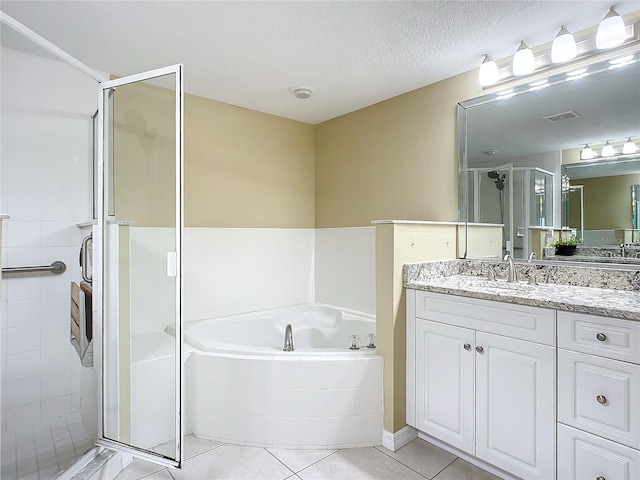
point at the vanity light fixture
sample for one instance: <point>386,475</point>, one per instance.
<point>607,150</point>
<point>523,61</point>
<point>539,85</point>
<point>629,147</point>
<point>610,31</point>
<point>564,47</point>
<point>586,153</point>
<point>489,74</point>
<point>622,60</point>
<point>579,73</point>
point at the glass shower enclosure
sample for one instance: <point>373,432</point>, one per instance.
<point>140,223</point>
<point>519,198</point>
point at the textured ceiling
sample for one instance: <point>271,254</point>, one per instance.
<point>355,53</point>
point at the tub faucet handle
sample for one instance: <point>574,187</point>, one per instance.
<point>288,339</point>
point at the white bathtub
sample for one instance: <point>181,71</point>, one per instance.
<point>243,389</point>
<point>317,330</point>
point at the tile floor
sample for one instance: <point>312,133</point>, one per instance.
<point>207,460</point>
<point>41,451</point>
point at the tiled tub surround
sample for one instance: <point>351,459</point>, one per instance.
<point>228,271</point>
<point>321,395</point>
<point>235,270</point>
<point>598,291</point>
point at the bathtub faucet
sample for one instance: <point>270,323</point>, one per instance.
<point>288,339</point>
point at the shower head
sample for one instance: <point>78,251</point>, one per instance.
<point>495,175</point>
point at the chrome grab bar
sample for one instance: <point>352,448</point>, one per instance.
<point>84,258</point>
<point>56,267</point>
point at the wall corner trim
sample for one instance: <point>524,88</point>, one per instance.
<point>395,441</point>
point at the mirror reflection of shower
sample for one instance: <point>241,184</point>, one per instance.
<point>520,198</point>
<point>499,181</point>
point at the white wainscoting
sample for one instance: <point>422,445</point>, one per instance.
<point>234,270</point>
<point>346,268</point>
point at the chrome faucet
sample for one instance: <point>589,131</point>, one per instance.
<point>532,256</point>
<point>288,339</point>
<point>511,269</point>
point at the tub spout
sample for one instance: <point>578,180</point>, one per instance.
<point>288,339</point>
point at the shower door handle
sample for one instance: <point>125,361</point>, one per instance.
<point>84,258</point>
<point>172,264</point>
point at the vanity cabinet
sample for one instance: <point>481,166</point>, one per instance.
<point>598,397</point>
<point>481,377</point>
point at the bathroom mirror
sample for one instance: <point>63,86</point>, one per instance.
<point>537,130</point>
<point>604,213</point>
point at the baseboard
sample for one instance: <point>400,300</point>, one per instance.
<point>498,472</point>
<point>395,441</point>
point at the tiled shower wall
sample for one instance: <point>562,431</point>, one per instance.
<point>45,187</point>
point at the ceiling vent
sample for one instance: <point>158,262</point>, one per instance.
<point>557,117</point>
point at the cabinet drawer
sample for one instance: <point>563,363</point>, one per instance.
<point>603,336</point>
<point>582,456</point>
<point>516,321</point>
<point>600,396</point>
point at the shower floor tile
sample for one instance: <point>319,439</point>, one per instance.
<point>417,460</point>
<point>42,451</point>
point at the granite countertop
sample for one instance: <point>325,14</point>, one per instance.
<point>598,259</point>
<point>458,278</point>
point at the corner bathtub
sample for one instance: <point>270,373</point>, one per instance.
<point>243,389</point>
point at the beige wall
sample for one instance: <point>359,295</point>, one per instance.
<point>395,160</point>
<point>607,202</point>
<point>397,244</point>
<point>144,155</point>
<point>392,160</point>
<point>242,168</point>
<point>245,168</point>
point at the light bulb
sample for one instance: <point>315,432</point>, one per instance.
<point>629,147</point>
<point>610,31</point>
<point>586,153</point>
<point>489,74</point>
<point>607,150</point>
<point>563,48</point>
<point>523,61</point>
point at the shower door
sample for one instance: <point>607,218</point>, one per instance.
<point>493,200</point>
<point>139,244</point>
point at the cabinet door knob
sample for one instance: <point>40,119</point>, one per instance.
<point>467,346</point>
<point>600,478</point>
<point>601,337</point>
<point>479,349</point>
<point>601,399</point>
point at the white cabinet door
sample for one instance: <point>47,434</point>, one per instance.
<point>582,456</point>
<point>445,383</point>
<point>515,405</point>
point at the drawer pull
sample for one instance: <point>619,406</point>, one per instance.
<point>479,349</point>
<point>601,337</point>
<point>600,478</point>
<point>467,346</point>
<point>601,399</point>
